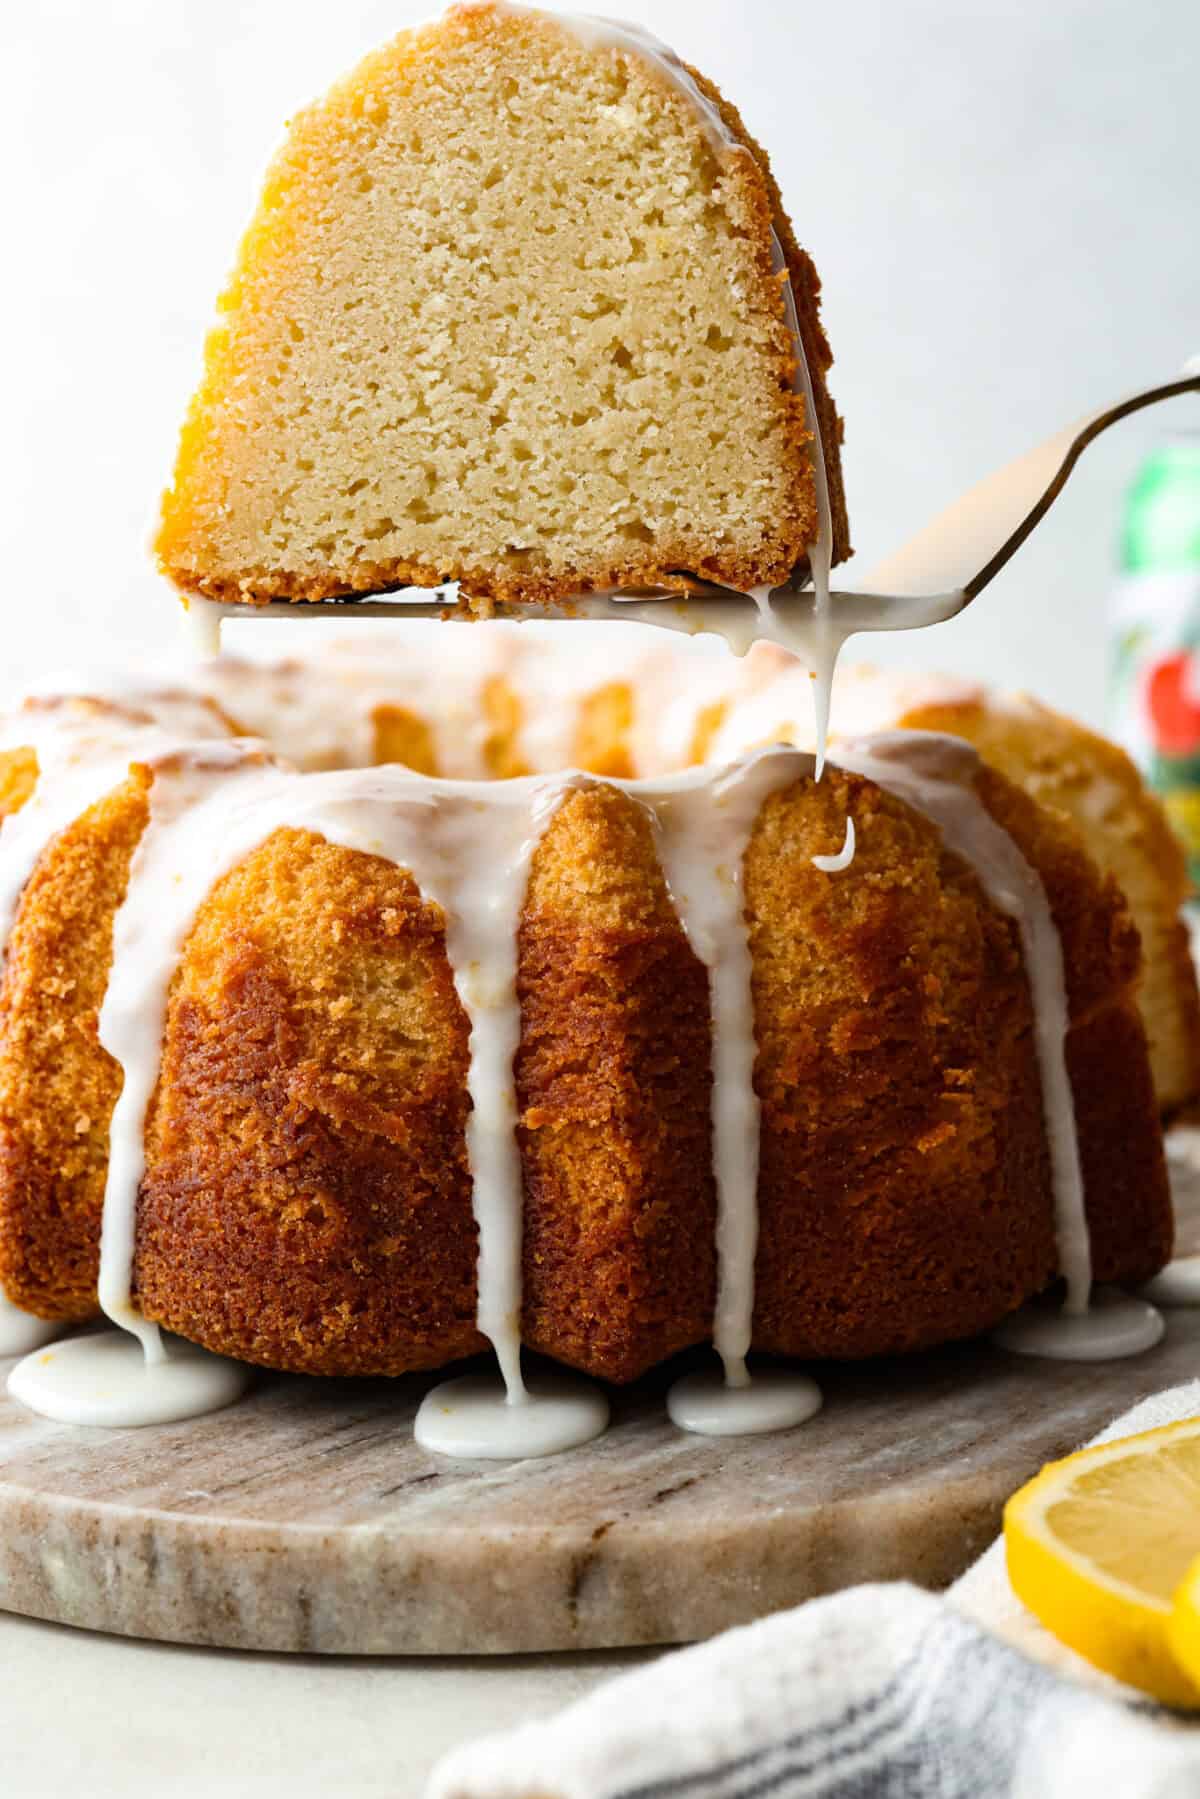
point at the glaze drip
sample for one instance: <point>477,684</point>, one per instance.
<point>20,1331</point>
<point>703,833</point>
<point>105,1379</point>
<point>1115,1325</point>
<point>774,1400</point>
<point>1177,1286</point>
<point>84,748</point>
<point>837,863</point>
<point>192,838</point>
<point>468,851</point>
<point>480,1419</point>
<point>486,850</point>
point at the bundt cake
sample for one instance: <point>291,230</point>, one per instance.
<point>361,1066</point>
<point>520,309</point>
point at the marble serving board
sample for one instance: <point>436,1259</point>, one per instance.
<point>306,1518</point>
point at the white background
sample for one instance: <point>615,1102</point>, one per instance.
<point>1002,199</point>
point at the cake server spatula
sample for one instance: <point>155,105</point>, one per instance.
<point>931,578</point>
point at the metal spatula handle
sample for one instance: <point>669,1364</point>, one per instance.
<point>1003,508</point>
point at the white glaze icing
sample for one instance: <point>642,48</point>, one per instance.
<point>552,669</point>
<point>476,1417</point>
<point>1183,1141</point>
<point>486,849</point>
<point>104,1379</point>
<point>1114,1325</point>
<point>702,832</point>
<point>20,1331</point>
<point>166,694</point>
<point>836,864</point>
<point>199,787</point>
<point>84,749</point>
<point>702,817</point>
<point>822,639</point>
<point>597,33</point>
<point>710,1406</point>
<point>468,846</point>
<point>1177,1285</point>
<point>201,627</point>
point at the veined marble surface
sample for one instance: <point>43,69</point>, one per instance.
<point>306,1519</point>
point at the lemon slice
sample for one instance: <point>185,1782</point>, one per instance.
<point>1183,1629</point>
<point>1099,1544</point>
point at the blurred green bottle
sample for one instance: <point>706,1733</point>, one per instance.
<point>1154,697</point>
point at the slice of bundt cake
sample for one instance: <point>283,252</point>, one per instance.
<point>520,309</point>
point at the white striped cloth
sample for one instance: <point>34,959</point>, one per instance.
<point>880,1692</point>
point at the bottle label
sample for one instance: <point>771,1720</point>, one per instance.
<point>1154,690</point>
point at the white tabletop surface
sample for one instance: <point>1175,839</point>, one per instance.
<point>112,1716</point>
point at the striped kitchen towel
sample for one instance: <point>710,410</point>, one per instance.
<point>880,1692</point>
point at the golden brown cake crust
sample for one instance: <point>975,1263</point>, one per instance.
<point>613,1084</point>
<point>306,1202</point>
<point>905,1188</point>
<point>58,1086</point>
<point>1094,784</point>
